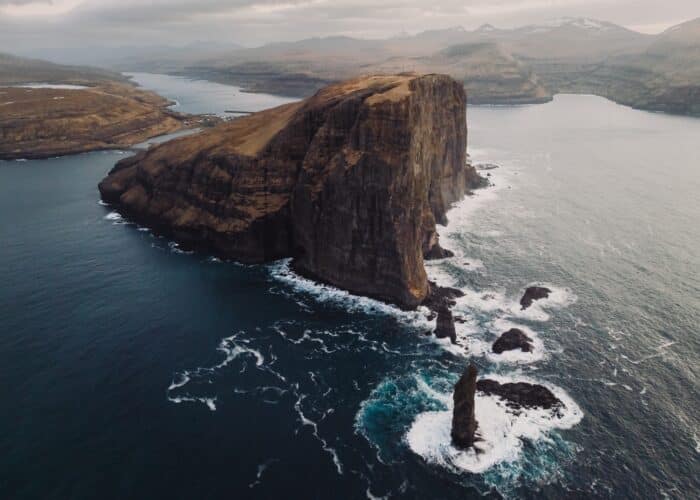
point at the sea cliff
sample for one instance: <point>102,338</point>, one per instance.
<point>350,183</point>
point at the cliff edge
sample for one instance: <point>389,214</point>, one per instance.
<point>350,183</point>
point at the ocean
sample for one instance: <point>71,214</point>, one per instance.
<point>131,368</point>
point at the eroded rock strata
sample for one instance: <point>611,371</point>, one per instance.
<point>350,183</point>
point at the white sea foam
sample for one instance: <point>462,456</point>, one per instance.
<point>281,271</point>
<point>305,421</point>
<point>498,302</point>
<point>500,326</point>
<point>371,496</point>
<point>469,342</point>
<point>501,430</point>
<point>232,349</point>
<point>116,218</point>
<point>261,470</point>
<point>474,340</point>
<point>175,248</point>
<point>209,402</point>
<point>183,378</point>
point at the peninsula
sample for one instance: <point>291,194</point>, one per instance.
<point>52,110</point>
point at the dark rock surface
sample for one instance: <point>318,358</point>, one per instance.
<point>486,166</point>
<point>512,340</point>
<point>445,328</point>
<point>437,253</point>
<point>350,183</point>
<point>441,295</point>
<point>532,294</point>
<point>464,423</point>
<point>520,394</point>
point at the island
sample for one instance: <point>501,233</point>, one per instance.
<point>350,183</point>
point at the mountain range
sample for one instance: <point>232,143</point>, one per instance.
<point>528,64</point>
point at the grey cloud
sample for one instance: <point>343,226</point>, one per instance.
<point>253,22</point>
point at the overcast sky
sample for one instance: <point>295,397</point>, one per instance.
<point>26,24</point>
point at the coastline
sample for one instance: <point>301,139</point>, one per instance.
<point>101,117</point>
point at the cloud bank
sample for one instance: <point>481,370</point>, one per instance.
<point>73,23</point>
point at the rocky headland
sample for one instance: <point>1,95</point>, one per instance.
<point>350,183</point>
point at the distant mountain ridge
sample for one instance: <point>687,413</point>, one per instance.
<point>14,70</point>
<point>527,64</point>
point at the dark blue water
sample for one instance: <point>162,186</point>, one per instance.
<point>131,369</point>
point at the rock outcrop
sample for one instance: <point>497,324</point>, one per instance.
<point>512,340</point>
<point>438,253</point>
<point>520,394</point>
<point>464,423</point>
<point>445,328</point>
<point>441,296</point>
<point>350,183</point>
<point>532,294</point>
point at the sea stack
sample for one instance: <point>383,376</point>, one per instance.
<point>463,421</point>
<point>445,327</point>
<point>350,183</point>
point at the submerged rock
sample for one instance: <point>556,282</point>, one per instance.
<point>512,340</point>
<point>520,394</point>
<point>464,423</point>
<point>446,325</point>
<point>350,183</point>
<point>532,294</point>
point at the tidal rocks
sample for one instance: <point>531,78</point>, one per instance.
<point>520,394</point>
<point>532,294</point>
<point>438,253</point>
<point>445,328</point>
<point>464,423</point>
<point>350,183</point>
<point>512,340</point>
<point>441,295</point>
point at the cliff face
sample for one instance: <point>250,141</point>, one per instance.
<point>349,182</point>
